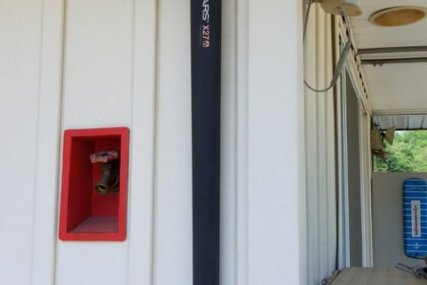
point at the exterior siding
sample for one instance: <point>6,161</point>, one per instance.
<point>82,64</point>
<point>20,44</point>
<point>322,244</point>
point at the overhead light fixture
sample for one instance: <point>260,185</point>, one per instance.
<point>398,16</point>
<point>351,7</point>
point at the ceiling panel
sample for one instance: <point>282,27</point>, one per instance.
<point>397,87</point>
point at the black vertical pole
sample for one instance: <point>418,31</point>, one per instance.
<point>206,91</point>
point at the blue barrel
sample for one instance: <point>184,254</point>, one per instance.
<point>415,217</point>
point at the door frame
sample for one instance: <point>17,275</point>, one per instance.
<point>354,70</point>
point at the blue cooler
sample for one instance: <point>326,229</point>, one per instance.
<point>415,217</point>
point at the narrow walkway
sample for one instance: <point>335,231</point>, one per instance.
<point>376,276</point>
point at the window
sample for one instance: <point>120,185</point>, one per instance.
<point>408,153</point>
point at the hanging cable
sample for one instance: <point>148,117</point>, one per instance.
<point>337,72</point>
<point>343,55</point>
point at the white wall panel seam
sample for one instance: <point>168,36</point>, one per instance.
<point>314,159</point>
<point>156,145</point>
<point>316,192</point>
<point>324,52</point>
<point>61,125</point>
<point>173,259</point>
<point>330,154</point>
<point>140,201</point>
<point>131,187</point>
<point>242,141</point>
<point>327,234</point>
<point>330,158</point>
<point>321,146</point>
<point>229,147</point>
<point>47,172</point>
<point>36,145</point>
<point>310,121</point>
<point>345,198</point>
<point>156,125</point>
<point>156,5</point>
<point>302,218</point>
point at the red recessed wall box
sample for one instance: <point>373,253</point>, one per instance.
<point>94,185</point>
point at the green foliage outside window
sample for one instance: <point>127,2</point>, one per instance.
<point>407,154</point>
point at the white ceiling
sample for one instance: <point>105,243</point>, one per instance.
<point>395,87</point>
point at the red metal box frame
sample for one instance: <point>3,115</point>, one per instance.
<point>86,215</point>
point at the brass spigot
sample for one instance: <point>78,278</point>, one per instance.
<point>109,180</point>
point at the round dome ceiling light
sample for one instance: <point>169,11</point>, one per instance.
<point>398,16</point>
<point>351,7</point>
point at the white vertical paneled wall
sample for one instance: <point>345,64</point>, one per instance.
<point>320,149</point>
<point>97,91</point>
<point>275,157</point>
<point>20,47</point>
<point>86,64</point>
<point>106,83</point>
<point>173,183</point>
<point>107,79</point>
<point>142,157</point>
<point>49,124</point>
<point>229,148</point>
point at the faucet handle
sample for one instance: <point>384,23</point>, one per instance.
<point>104,156</point>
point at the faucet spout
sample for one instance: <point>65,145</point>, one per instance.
<point>109,180</point>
